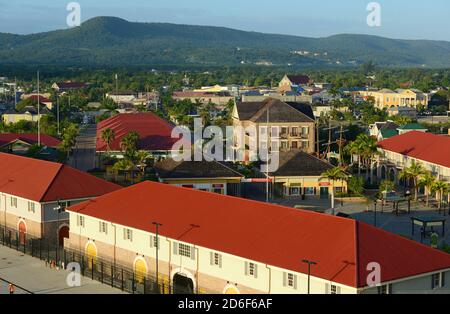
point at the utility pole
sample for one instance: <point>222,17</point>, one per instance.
<point>310,263</point>
<point>57,113</point>
<point>267,155</point>
<point>38,110</point>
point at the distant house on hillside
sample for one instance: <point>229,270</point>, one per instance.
<point>69,86</point>
<point>20,143</point>
<point>411,127</point>
<point>383,130</point>
<point>42,100</point>
<point>292,83</point>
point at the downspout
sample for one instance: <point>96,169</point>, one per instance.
<point>115,243</point>
<point>270,279</point>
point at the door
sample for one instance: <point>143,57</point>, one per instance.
<point>324,192</point>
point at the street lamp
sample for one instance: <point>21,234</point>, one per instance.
<point>157,225</point>
<point>310,263</point>
<point>58,210</point>
<point>375,212</point>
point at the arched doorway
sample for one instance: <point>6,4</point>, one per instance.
<point>91,253</point>
<point>22,232</point>
<point>392,175</point>
<point>182,284</point>
<point>63,234</point>
<point>231,290</point>
<point>140,270</point>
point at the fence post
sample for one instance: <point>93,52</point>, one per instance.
<point>48,250</point>
<point>101,266</point>
<point>145,283</point>
<point>92,269</point>
<point>32,246</point>
<point>132,283</point>
<point>17,241</point>
<point>112,276</point>
<point>40,249</point>
<point>122,279</point>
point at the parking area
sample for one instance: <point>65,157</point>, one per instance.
<point>33,275</point>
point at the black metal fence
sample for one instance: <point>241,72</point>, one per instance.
<point>98,269</point>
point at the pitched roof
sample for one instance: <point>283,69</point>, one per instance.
<point>389,125</point>
<point>71,85</point>
<point>299,79</point>
<point>296,163</point>
<point>44,181</point>
<point>154,132</point>
<point>267,233</point>
<point>423,146</point>
<point>46,140</point>
<point>42,99</point>
<point>388,133</point>
<point>279,111</point>
<point>171,169</point>
<point>412,126</point>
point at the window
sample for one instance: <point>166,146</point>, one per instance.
<point>333,289</point>
<point>251,269</point>
<point>294,191</point>
<point>154,242</point>
<point>80,221</point>
<point>284,145</point>
<point>294,145</point>
<point>294,131</point>
<point>437,281</point>
<point>385,289</point>
<point>290,280</point>
<point>310,191</point>
<point>184,250</point>
<point>216,259</point>
<point>305,145</point>
<point>305,130</point>
<point>14,202</point>
<point>128,234</point>
<point>103,227</point>
<point>31,207</point>
<point>284,131</point>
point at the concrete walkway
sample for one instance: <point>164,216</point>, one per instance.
<point>31,274</point>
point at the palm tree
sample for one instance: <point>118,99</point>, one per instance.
<point>415,172</point>
<point>123,165</point>
<point>142,157</point>
<point>334,175</point>
<point>427,181</point>
<point>128,144</point>
<point>440,188</point>
<point>108,136</point>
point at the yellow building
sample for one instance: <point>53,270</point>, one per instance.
<point>386,98</point>
<point>26,114</point>
<point>300,175</point>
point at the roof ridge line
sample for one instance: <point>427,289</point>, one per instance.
<point>306,116</point>
<point>61,166</point>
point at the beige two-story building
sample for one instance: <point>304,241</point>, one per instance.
<point>386,98</point>
<point>291,126</point>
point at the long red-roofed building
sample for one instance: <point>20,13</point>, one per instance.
<point>154,132</point>
<point>432,151</point>
<point>220,244</point>
<point>30,189</point>
<point>9,140</point>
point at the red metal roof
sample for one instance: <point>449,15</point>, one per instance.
<point>46,140</point>
<point>267,233</point>
<point>423,146</point>
<point>154,132</point>
<point>44,181</point>
<point>42,99</point>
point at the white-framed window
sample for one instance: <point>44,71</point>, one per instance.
<point>251,269</point>
<point>184,250</point>
<point>289,280</point>
<point>103,227</point>
<point>384,289</point>
<point>80,221</point>
<point>31,207</point>
<point>128,234</point>
<point>154,242</point>
<point>305,130</point>
<point>295,190</point>
<point>216,259</point>
<point>437,281</point>
<point>13,202</point>
<point>333,289</point>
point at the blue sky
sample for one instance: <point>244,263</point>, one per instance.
<point>409,19</point>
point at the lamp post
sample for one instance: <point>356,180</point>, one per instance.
<point>375,212</point>
<point>310,263</point>
<point>58,210</point>
<point>157,225</point>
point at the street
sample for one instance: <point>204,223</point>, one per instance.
<point>83,156</point>
<point>33,275</point>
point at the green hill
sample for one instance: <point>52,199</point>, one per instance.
<point>114,41</point>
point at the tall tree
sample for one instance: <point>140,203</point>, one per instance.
<point>108,136</point>
<point>334,175</point>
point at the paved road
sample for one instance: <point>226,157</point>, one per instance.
<point>32,274</point>
<point>83,157</point>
